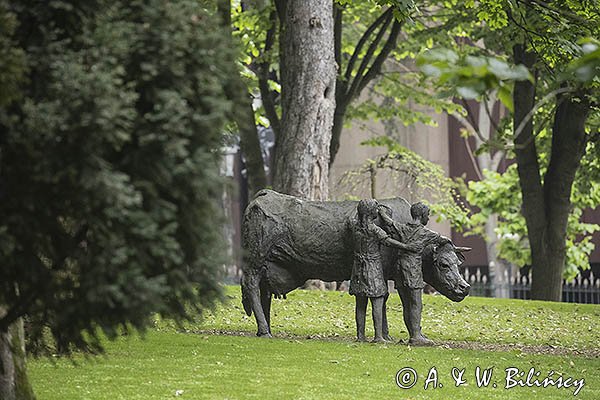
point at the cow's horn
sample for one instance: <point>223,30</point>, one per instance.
<point>463,248</point>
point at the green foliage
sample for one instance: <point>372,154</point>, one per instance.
<point>403,9</point>
<point>398,89</point>
<point>563,35</point>
<point>587,181</point>
<point>586,68</point>
<point>472,77</point>
<point>493,13</point>
<point>251,25</point>
<point>499,193</point>
<point>413,174</point>
<point>395,96</point>
<point>109,173</point>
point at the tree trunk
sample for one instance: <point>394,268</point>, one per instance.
<point>14,384</point>
<point>338,126</point>
<point>529,169</point>
<point>308,75</point>
<point>568,147</point>
<point>546,207</point>
<point>243,114</point>
<point>249,143</point>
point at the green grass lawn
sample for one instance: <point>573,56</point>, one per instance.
<point>215,366</point>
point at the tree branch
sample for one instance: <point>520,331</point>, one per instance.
<point>527,119</point>
<point>489,113</point>
<point>527,158</point>
<point>473,160</point>
<point>342,98</point>
<point>363,40</point>
<point>16,312</point>
<point>39,283</point>
<point>496,160</point>
<point>367,58</point>
<point>469,122</point>
<point>563,13</point>
<point>568,147</point>
<point>338,11</point>
<point>529,38</point>
<point>280,8</point>
<point>466,123</point>
<point>389,46</point>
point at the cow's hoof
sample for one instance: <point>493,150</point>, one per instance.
<point>264,335</point>
<point>379,340</point>
<point>420,341</point>
<point>361,339</point>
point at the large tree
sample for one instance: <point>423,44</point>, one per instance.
<point>546,185</point>
<point>548,40</point>
<point>364,37</point>
<point>109,169</point>
<point>308,73</point>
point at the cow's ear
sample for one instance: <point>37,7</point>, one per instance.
<point>461,257</point>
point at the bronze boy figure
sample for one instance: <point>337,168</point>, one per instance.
<point>367,280</point>
<point>409,275</point>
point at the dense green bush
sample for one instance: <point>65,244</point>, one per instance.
<point>109,163</point>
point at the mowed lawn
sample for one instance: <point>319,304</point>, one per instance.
<point>313,354</point>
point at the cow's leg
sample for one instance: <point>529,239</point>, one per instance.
<point>377,311</point>
<point>412,307</point>
<point>384,322</point>
<point>265,301</point>
<point>251,283</point>
<point>360,317</point>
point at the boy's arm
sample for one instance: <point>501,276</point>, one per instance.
<point>386,215</point>
<point>391,226</point>
<point>435,238</point>
<point>388,241</point>
<point>402,246</point>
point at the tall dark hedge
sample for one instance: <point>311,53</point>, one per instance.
<point>109,161</point>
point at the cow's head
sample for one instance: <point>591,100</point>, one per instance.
<point>440,270</point>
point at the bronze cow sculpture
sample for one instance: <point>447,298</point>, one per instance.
<point>288,241</point>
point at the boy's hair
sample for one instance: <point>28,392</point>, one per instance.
<point>367,207</point>
<point>419,209</point>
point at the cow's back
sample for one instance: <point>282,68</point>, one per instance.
<point>312,238</point>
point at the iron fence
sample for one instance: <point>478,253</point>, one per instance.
<point>583,289</point>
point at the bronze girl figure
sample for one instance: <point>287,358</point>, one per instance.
<point>368,280</point>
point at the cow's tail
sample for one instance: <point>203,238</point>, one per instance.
<point>246,297</point>
<point>253,234</point>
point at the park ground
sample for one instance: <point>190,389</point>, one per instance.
<point>314,356</point>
